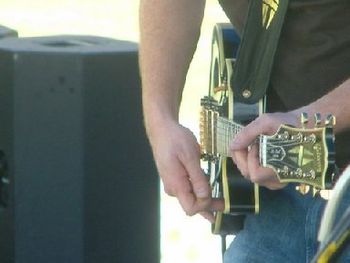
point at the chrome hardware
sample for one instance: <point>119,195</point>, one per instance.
<point>317,119</point>
<point>330,121</point>
<point>304,119</point>
<point>303,188</point>
<point>246,93</point>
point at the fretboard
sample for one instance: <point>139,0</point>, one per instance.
<point>225,131</point>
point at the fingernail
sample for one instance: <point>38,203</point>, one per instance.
<point>202,193</point>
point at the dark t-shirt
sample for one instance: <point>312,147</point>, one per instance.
<point>312,56</point>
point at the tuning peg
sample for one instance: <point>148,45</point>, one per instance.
<point>326,194</point>
<point>315,191</point>
<point>330,120</point>
<point>304,119</point>
<point>303,189</point>
<point>317,119</point>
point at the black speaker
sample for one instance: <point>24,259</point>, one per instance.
<point>78,183</point>
<point>7,32</point>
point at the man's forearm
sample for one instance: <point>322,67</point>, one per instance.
<point>337,103</point>
<point>169,34</point>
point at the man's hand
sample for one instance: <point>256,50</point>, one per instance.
<point>245,151</point>
<point>177,156</point>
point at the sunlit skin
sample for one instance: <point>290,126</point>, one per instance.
<point>169,33</point>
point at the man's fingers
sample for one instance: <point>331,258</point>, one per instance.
<point>265,124</point>
<point>175,180</point>
<point>217,205</point>
<point>254,168</point>
<point>199,181</point>
<point>262,176</point>
<point>208,215</point>
<point>257,173</point>
<point>192,205</point>
<point>187,202</point>
<point>240,159</point>
<point>245,137</point>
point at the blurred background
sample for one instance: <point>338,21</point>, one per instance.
<point>183,239</point>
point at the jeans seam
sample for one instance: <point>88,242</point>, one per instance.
<point>311,228</point>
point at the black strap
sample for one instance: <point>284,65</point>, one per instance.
<point>258,46</point>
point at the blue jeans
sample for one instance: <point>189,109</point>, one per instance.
<point>284,231</point>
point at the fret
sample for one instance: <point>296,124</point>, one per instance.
<point>225,131</point>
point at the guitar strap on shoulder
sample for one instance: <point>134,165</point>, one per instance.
<point>257,49</point>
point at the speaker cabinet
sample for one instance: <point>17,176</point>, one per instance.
<point>78,182</point>
<point>7,32</point>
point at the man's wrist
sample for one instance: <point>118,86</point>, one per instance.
<point>158,121</point>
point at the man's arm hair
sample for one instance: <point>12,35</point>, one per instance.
<point>169,31</point>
